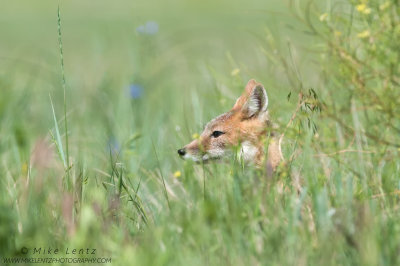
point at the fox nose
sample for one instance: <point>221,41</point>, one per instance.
<point>182,152</point>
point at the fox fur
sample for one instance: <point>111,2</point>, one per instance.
<point>246,126</point>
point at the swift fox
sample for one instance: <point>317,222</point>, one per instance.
<point>246,126</point>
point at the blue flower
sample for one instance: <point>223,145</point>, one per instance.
<point>141,29</point>
<point>114,146</point>
<point>135,91</point>
<point>150,28</point>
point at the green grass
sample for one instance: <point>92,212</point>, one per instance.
<point>94,167</point>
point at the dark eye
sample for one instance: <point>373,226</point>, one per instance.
<point>216,134</point>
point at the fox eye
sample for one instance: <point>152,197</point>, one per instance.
<point>217,133</point>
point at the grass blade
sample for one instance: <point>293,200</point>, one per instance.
<point>57,137</point>
<point>64,88</point>
<point>162,176</point>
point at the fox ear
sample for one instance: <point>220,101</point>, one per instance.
<point>257,101</point>
<point>247,91</point>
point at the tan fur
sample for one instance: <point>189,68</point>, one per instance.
<point>238,128</point>
<point>274,155</point>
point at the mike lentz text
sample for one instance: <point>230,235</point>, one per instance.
<point>55,251</point>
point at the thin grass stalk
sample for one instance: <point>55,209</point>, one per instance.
<point>65,97</point>
<point>161,173</point>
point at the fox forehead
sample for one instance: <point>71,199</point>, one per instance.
<point>220,121</point>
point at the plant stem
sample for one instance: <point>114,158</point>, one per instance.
<point>65,96</point>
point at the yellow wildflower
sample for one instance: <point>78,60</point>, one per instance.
<point>338,33</point>
<point>235,71</point>
<point>364,34</point>
<point>363,8</point>
<point>24,168</point>
<point>177,174</point>
<point>323,17</point>
<point>195,136</point>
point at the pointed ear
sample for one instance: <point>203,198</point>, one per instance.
<point>247,90</point>
<point>250,86</point>
<point>257,102</point>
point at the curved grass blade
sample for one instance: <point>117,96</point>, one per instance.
<point>57,137</point>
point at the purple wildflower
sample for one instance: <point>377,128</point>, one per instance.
<point>135,91</point>
<point>150,28</point>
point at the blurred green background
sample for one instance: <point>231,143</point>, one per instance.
<point>142,77</point>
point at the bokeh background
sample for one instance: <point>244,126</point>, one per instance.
<point>142,79</point>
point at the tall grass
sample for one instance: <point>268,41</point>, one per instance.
<point>136,93</point>
<point>65,97</point>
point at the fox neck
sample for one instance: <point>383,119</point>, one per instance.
<point>250,152</point>
<point>254,153</point>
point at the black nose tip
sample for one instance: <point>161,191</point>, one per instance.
<point>181,152</point>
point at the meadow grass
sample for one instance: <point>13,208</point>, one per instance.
<point>95,165</point>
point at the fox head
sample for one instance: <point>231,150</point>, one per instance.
<point>244,126</point>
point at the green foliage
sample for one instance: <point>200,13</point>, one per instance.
<point>141,84</point>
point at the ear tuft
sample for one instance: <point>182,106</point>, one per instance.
<point>257,102</point>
